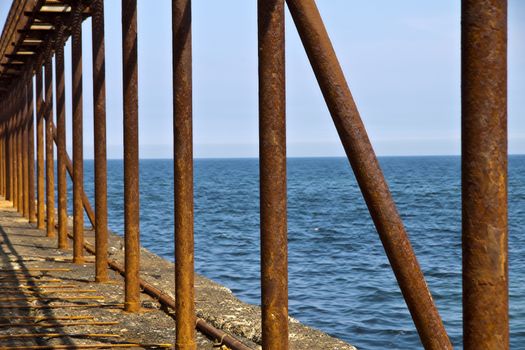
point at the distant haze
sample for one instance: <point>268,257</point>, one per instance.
<point>401,59</point>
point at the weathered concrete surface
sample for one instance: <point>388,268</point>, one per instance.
<point>22,246</point>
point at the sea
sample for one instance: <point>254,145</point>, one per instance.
<point>340,280</point>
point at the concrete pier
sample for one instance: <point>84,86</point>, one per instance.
<point>47,302</point>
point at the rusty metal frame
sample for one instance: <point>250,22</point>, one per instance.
<point>484,161</point>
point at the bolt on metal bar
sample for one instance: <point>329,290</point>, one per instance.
<point>60,91</point>
<point>40,150</point>
<point>272,154</point>
<point>484,174</point>
<point>131,155</point>
<point>368,173</point>
<point>183,175</point>
<point>31,154</point>
<point>50,176</point>
<point>78,157</point>
<point>99,129</point>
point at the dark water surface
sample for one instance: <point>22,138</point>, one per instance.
<point>340,279</point>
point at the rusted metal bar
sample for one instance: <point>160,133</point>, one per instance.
<point>99,120</point>
<point>131,155</point>
<point>78,157</point>
<point>183,175</point>
<point>40,150</point>
<point>19,152</point>
<point>25,151</point>
<point>2,157</point>
<point>9,159</point>
<point>14,197</point>
<point>15,155</point>
<point>484,174</point>
<point>272,154</point>
<point>31,154</point>
<point>368,173</point>
<point>61,136</point>
<point>50,176</point>
<point>9,153</point>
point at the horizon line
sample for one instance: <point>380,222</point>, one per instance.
<point>309,157</point>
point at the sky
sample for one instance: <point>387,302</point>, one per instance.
<point>401,60</point>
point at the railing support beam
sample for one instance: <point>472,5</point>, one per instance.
<point>484,174</point>
<point>50,176</point>
<point>131,155</point>
<point>272,155</point>
<point>78,156</point>
<point>183,175</point>
<point>99,119</point>
<point>63,242</point>
<point>40,151</point>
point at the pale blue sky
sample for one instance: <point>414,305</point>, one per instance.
<point>401,59</point>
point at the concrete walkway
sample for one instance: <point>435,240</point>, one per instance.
<point>47,302</point>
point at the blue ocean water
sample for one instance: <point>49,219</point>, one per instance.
<point>340,280</point>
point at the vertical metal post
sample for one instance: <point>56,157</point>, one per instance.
<point>368,173</point>
<point>484,174</point>
<point>15,155</point>
<point>183,175</point>
<point>2,155</point>
<point>40,150</point>
<point>50,176</point>
<point>31,153</point>
<point>20,151</point>
<point>78,157</point>
<point>2,158</point>
<point>14,189</point>
<point>99,120</point>
<point>25,152</point>
<point>272,154</point>
<point>12,153</point>
<point>9,151</point>
<point>131,155</point>
<point>61,136</point>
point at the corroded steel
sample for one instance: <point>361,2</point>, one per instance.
<point>9,153</point>
<point>131,154</point>
<point>99,120</point>
<point>20,151</point>
<point>15,156</point>
<point>19,154</point>
<point>78,157</point>
<point>61,136</point>
<point>272,154</point>
<point>24,127</point>
<point>368,174</point>
<point>183,175</point>
<point>40,150</point>
<point>50,176</point>
<point>484,174</point>
<point>31,153</point>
